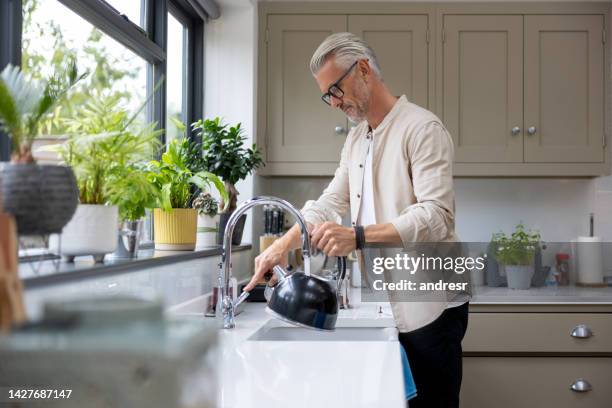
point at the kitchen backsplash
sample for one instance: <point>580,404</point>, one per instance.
<point>558,208</point>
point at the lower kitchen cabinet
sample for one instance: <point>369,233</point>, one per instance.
<point>511,382</point>
<point>558,357</point>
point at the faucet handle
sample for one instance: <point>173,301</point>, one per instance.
<point>240,299</point>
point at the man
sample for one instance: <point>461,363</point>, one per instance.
<point>395,176</point>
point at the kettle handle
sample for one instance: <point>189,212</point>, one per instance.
<point>279,272</point>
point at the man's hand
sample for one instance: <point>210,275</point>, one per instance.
<point>274,255</point>
<point>333,239</point>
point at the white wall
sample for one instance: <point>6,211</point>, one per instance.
<point>230,72</point>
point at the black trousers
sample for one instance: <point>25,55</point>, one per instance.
<point>434,353</point>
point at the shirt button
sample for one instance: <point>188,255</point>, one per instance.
<point>361,165</point>
<point>358,196</point>
<point>353,222</point>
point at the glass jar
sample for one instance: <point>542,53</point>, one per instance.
<point>563,267</point>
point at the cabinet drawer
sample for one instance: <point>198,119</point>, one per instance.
<point>535,382</point>
<point>537,333</point>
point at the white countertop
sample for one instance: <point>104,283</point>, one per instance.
<point>484,295</point>
<point>307,373</point>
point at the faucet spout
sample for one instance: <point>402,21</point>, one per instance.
<point>226,258</point>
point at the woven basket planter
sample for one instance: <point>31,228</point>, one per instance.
<point>42,198</point>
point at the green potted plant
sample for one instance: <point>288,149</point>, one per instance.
<point>516,252</point>
<point>208,220</point>
<point>176,183</point>
<point>104,145</point>
<point>225,154</point>
<point>42,198</point>
<point>133,194</point>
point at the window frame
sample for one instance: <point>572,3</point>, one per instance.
<point>149,43</point>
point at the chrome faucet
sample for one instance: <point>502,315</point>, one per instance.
<point>228,306</point>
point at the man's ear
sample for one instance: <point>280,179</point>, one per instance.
<point>363,66</point>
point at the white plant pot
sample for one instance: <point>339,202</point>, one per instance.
<point>91,231</point>
<point>206,236</point>
<point>519,276</point>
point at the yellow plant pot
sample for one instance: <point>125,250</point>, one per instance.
<point>176,230</point>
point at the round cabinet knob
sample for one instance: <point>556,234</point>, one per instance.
<point>516,130</point>
<point>581,385</point>
<point>340,130</point>
<point>532,130</point>
<point>582,331</point>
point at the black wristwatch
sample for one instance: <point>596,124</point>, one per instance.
<point>359,237</point>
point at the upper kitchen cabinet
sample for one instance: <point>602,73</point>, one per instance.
<point>564,89</point>
<point>482,86</point>
<point>303,133</point>
<point>523,87</point>
<point>401,44</point>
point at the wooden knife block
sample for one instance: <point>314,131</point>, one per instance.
<point>12,310</point>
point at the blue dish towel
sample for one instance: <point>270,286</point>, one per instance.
<point>410,390</point>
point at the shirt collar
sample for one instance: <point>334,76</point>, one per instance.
<point>391,114</point>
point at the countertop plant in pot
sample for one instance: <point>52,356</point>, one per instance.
<point>104,145</point>
<point>43,198</point>
<point>175,221</point>
<point>225,154</point>
<point>133,193</point>
<point>208,220</point>
<point>516,253</point>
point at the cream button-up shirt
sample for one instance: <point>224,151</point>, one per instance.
<point>412,185</point>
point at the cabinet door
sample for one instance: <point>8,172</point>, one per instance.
<point>482,86</point>
<point>300,126</point>
<point>564,88</point>
<point>512,382</point>
<point>401,47</point>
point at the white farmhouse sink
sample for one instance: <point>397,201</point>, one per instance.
<point>275,330</point>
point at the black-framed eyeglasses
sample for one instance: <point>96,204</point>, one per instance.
<point>334,89</point>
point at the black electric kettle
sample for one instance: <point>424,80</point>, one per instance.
<point>305,299</point>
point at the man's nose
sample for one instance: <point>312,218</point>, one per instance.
<point>335,102</point>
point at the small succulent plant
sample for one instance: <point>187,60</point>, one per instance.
<point>206,204</point>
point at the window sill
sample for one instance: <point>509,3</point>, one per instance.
<point>37,274</point>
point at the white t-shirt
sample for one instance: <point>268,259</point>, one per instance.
<point>367,215</point>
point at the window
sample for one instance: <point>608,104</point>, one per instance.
<point>108,37</point>
<point>131,9</point>
<point>176,103</point>
<point>52,34</point>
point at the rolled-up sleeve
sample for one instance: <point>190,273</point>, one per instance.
<point>334,202</point>
<point>432,217</point>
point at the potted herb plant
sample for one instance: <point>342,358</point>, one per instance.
<point>516,252</point>
<point>208,220</point>
<point>225,154</point>
<point>43,198</point>
<point>175,221</point>
<point>103,146</point>
<point>133,194</point>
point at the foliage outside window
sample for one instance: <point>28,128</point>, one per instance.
<point>52,34</point>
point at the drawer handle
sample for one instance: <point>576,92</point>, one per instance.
<point>582,331</point>
<point>581,385</point>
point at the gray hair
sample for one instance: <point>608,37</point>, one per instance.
<point>346,48</point>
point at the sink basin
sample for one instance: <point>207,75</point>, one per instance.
<point>277,331</point>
